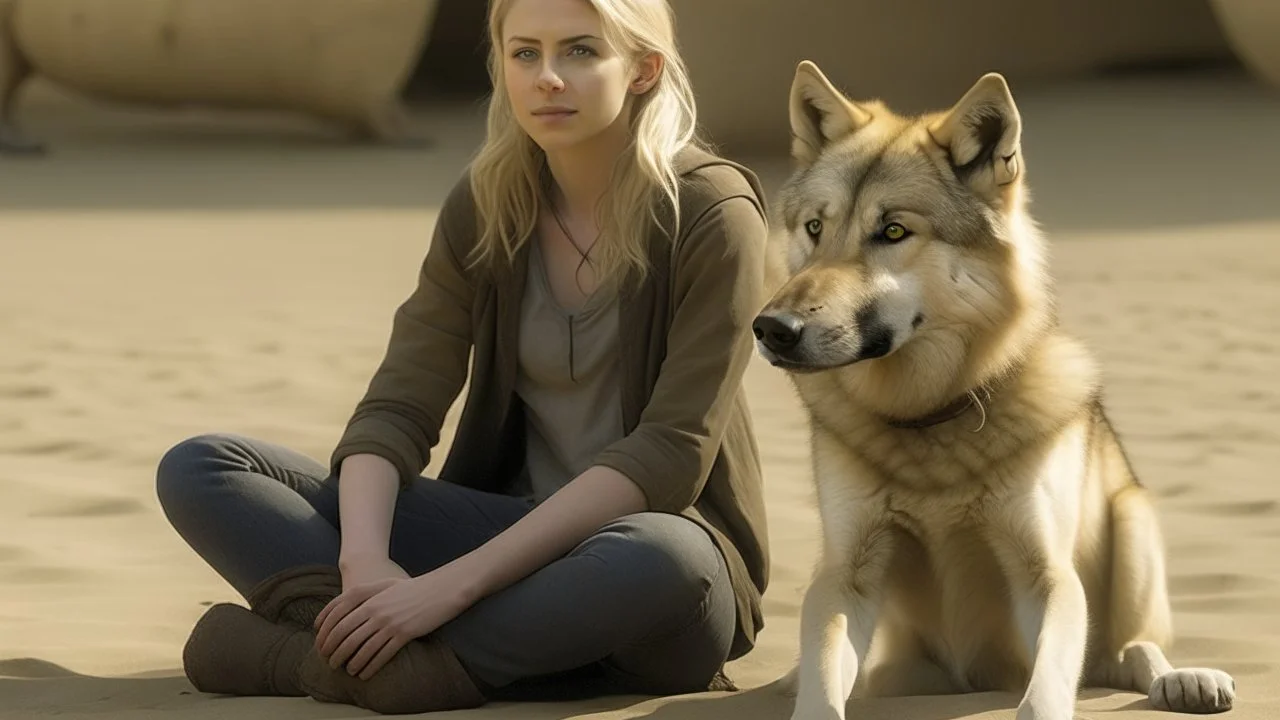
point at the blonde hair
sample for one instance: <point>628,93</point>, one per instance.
<point>507,172</point>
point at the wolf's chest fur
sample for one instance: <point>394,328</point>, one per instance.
<point>947,493</point>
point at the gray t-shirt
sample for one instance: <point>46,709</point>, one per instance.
<point>568,379</point>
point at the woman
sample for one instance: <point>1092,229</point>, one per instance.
<point>598,522</point>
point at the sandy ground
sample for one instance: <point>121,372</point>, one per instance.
<point>164,275</point>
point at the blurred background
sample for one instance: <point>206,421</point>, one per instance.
<point>235,105</point>
<point>229,205</point>
<point>1117,91</point>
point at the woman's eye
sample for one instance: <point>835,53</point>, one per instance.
<point>814,228</point>
<point>581,51</point>
<point>525,54</point>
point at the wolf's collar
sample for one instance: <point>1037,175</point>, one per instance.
<point>979,397</point>
<point>949,412</point>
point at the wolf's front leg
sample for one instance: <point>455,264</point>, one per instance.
<point>822,674</point>
<point>1054,621</point>
<point>837,619</point>
<point>1033,542</point>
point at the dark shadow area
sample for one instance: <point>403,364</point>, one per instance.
<point>766,703</point>
<point>453,62</point>
<point>28,684</point>
<point>29,687</point>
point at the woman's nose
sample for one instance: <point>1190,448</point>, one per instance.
<point>548,79</point>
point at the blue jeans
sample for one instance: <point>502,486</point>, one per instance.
<point>644,605</point>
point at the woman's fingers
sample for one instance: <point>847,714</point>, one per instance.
<point>351,642</point>
<point>324,613</point>
<point>374,648</point>
<point>339,609</point>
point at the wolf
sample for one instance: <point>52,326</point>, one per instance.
<point>980,519</point>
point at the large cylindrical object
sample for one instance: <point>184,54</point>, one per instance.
<point>344,60</point>
<point>1253,29</point>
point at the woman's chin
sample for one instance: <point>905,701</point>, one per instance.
<point>555,141</point>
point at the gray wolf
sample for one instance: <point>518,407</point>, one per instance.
<point>980,519</point>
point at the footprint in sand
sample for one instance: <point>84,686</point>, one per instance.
<point>25,392</point>
<point>13,553</point>
<point>1243,508</point>
<point>93,507</point>
<point>40,575</point>
<point>1206,649</point>
<point>76,449</point>
<point>1174,491</point>
<point>1249,605</point>
<point>23,368</point>
<point>1218,584</point>
<point>1224,593</point>
<point>1243,669</point>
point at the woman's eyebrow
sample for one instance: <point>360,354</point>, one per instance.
<point>566,41</point>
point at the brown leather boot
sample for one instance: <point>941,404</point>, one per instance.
<point>270,650</point>
<point>231,651</point>
<point>424,676</point>
<point>294,597</point>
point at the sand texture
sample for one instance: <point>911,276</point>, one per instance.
<point>166,275</point>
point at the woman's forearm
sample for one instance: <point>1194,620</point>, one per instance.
<point>367,487</point>
<point>571,515</point>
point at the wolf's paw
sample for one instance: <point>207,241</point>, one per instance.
<point>1193,690</point>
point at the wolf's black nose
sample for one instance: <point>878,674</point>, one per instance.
<point>778,332</point>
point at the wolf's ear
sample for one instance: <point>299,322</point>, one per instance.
<point>820,114</point>
<point>983,133</point>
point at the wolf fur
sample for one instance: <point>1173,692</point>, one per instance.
<point>980,520</point>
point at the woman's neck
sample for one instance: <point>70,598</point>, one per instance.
<point>582,174</point>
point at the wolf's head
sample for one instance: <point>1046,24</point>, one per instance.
<point>903,257</point>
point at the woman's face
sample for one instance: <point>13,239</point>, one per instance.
<point>566,84</point>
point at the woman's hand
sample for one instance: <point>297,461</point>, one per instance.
<point>366,626</point>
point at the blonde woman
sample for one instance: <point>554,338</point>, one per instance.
<point>598,524</point>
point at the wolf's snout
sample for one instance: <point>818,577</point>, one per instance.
<point>779,332</point>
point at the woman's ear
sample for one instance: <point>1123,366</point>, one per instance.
<point>648,70</point>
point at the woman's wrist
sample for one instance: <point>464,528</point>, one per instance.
<point>349,557</point>
<point>461,578</point>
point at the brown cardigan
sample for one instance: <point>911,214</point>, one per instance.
<point>685,344</point>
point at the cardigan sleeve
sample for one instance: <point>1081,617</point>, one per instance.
<point>718,273</point>
<point>425,363</point>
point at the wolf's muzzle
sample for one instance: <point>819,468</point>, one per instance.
<point>778,332</point>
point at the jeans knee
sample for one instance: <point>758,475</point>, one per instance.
<point>671,560</point>
<point>185,466</point>
<point>669,556</point>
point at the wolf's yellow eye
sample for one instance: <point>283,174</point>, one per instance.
<point>814,228</point>
<point>894,232</point>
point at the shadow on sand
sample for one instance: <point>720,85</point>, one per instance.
<point>31,686</point>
